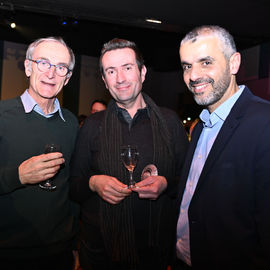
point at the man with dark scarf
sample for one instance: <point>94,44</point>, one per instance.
<point>127,228</point>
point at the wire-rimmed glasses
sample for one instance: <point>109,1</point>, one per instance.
<point>44,65</point>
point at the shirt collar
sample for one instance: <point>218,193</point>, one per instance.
<point>30,104</point>
<point>222,111</point>
<point>123,113</point>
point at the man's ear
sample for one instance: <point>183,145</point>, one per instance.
<point>143,73</point>
<point>104,80</point>
<point>27,67</point>
<point>235,61</point>
<point>68,76</point>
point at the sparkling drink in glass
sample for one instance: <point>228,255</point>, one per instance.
<point>129,157</point>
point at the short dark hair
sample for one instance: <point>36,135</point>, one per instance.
<point>99,101</point>
<point>118,43</point>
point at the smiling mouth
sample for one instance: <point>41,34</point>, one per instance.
<point>199,86</point>
<point>199,89</point>
<point>47,83</point>
<point>122,87</point>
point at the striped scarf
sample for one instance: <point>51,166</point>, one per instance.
<point>117,220</point>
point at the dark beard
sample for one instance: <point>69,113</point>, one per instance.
<point>219,89</point>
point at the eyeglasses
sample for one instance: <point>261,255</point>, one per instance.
<point>43,66</point>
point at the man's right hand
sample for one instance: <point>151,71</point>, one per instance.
<point>109,188</point>
<point>39,168</point>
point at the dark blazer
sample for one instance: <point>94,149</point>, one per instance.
<point>229,214</point>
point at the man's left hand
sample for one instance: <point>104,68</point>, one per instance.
<point>151,187</point>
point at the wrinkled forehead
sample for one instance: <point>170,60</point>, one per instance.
<point>53,51</point>
<point>202,49</point>
<point>118,57</point>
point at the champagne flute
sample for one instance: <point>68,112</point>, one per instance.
<point>129,156</point>
<point>50,148</point>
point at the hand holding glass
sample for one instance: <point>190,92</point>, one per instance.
<point>129,156</point>
<point>50,148</point>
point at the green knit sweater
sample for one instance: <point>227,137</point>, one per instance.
<point>34,222</point>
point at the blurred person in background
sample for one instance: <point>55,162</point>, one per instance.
<point>98,105</point>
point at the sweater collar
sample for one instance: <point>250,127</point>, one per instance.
<point>30,105</point>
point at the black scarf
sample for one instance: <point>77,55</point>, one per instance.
<point>117,220</point>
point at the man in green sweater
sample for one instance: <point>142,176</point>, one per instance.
<point>38,221</point>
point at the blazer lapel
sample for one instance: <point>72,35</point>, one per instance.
<point>192,146</point>
<point>222,139</point>
<point>225,133</point>
<point>227,130</point>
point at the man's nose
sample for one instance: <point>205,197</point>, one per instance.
<point>195,73</point>
<point>120,76</point>
<point>51,71</point>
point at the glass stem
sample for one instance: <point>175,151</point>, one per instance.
<point>131,178</point>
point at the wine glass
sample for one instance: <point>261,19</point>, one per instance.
<point>129,156</point>
<point>50,148</point>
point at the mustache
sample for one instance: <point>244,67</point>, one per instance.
<point>208,80</point>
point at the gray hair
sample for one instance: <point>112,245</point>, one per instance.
<point>226,39</point>
<point>117,43</point>
<point>32,46</point>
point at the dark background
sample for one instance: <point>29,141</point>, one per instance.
<point>90,23</point>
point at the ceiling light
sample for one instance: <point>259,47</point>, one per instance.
<point>153,21</point>
<point>13,25</point>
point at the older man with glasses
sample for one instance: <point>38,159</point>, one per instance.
<point>38,225</point>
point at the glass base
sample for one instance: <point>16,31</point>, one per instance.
<point>133,185</point>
